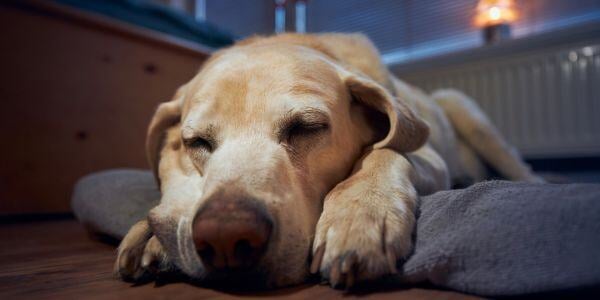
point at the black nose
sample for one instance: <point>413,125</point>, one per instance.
<point>231,233</point>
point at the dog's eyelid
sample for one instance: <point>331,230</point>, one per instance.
<point>315,116</point>
<point>187,133</point>
<point>199,142</point>
<point>299,127</point>
<point>309,116</point>
<point>299,123</point>
<point>195,138</point>
<point>310,124</point>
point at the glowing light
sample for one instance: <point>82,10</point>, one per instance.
<point>494,12</point>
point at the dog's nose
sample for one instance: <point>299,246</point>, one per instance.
<point>231,234</point>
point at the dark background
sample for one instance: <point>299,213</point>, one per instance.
<point>80,79</point>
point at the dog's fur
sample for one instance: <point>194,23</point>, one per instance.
<point>335,147</point>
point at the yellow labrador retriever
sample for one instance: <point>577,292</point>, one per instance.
<point>293,154</point>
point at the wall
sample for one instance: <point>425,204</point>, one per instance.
<point>402,30</point>
<point>541,92</point>
<point>412,29</point>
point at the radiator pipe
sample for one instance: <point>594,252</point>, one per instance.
<point>300,9</point>
<point>280,16</point>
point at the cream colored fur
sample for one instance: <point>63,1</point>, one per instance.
<point>343,193</point>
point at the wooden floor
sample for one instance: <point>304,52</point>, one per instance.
<point>57,259</point>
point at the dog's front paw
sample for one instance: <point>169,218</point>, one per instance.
<point>361,238</point>
<point>140,254</point>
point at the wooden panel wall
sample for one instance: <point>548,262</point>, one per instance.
<point>77,92</point>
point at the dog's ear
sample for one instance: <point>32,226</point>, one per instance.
<point>406,132</point>
<point>167,115</point>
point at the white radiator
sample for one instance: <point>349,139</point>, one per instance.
<point>545,101</point>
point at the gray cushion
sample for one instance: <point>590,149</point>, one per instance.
<point>501,238</point>
<point>110,202</point>
<point>495,238</point>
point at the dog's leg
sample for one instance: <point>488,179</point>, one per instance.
<point>472,169</point>
<point>368,219</point>
<point>473,126</point>
<point>140,253</point>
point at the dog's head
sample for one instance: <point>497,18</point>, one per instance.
<point>247,150</point>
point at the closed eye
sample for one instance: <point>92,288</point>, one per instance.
<point>306,123</point>
<point>300,128</point>
<point>198,143</point>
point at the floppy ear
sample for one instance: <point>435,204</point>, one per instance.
<point>406,131</point>
<point>167,114</point>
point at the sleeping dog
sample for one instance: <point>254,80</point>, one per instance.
<point>294,154</point>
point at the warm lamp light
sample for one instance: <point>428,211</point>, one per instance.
<point>494,12</point>
<point>493,16</point>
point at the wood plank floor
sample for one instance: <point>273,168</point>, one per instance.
<point>57,259</point>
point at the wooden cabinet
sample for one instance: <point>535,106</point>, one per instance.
<point>77,91</point>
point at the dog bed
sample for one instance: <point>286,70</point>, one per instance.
<point>495,238</point>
